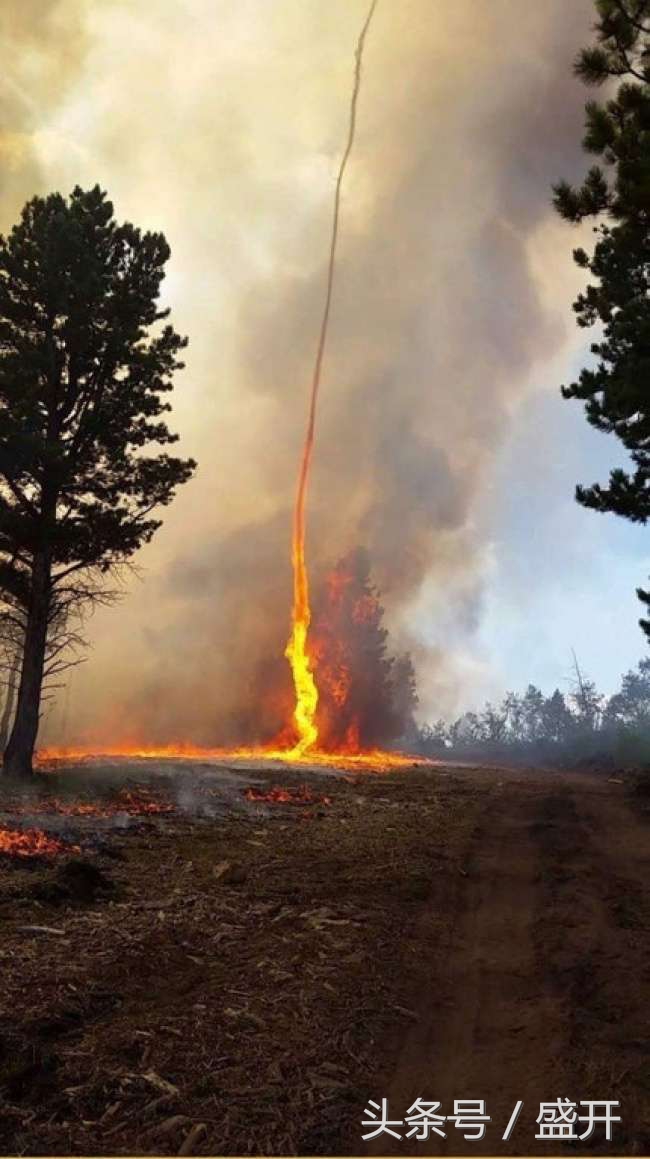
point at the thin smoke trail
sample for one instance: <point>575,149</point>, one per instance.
<point>304,683</point>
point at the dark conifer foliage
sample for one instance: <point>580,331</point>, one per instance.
<point>616,194</point>
<point>87,360</point>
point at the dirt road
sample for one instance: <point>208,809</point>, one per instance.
<point>530,969</point>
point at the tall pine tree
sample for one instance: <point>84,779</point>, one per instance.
<point>86,360</point>
<point>616,194</point>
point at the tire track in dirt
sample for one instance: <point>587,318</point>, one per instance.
<point>538,990</point>
<point>598,891</point>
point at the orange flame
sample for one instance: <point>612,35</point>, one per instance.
<point>134,802</point>
<point>374,760</point>
<point>32,843</point>
<point>296,650</point>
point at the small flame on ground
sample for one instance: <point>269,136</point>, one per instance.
<point>32,843</point>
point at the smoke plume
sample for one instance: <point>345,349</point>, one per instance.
<point>221,124</point>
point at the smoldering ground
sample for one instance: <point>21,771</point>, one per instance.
<point>81,799</point>
<point>222,124</point>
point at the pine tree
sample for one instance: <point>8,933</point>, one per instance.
<point>631,705</point>
<point>86,359</point>
<point>494,726</point>
<point>616,194</point>
<point>513,710</point>
<point>556,718</point>
<point>532,705</point>
<point>586,700</point>
<point>367,697</point>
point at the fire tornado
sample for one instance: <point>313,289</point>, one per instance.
<point>296,650</point>
<point>357,679</point>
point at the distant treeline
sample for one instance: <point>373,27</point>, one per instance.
<point>581,724</point>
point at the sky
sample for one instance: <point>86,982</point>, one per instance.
<point>443,445</point>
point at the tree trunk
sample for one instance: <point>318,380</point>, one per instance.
<point>20,750</point>
<point>10,699</point>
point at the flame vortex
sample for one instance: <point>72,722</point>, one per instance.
<point>296,651</point>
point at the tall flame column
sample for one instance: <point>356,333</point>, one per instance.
<point>296,651</point>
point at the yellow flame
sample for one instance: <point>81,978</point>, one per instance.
<point>372,760</point>
<point>296,650</point>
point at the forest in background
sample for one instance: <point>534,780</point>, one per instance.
<point>581,724</point>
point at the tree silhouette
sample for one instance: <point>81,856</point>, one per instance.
<point>86,359</point>
<point>631,705</point>
<point>556,718</point>
<point>616,194</point>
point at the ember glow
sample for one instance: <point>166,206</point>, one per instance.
<point>32,843</point>
<point>279,796</point>
<point>134,802</point>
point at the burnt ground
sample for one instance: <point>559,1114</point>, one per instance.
<point>242,983</point>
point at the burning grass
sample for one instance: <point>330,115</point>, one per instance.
<point>139,802</point>
<point>32,843</point>
<point>372,761</point>
<point>33,840</point>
